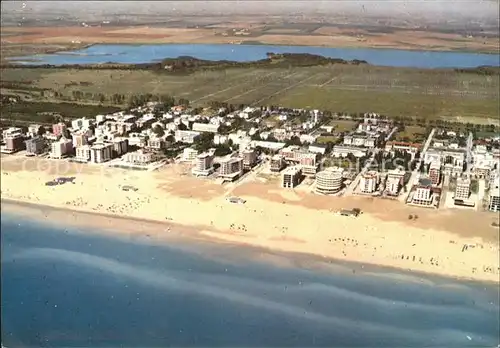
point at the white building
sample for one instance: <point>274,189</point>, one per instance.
<point>185,136</point>
<point>61,148</point>
<point>231,167</point>
<point>189,154</point>
<point>83,153</point>
<point>343,151</point>
<point>81,123</point>
<point>101,152</point>
<point>205,127</point>
<point>203,164</point>
<point>423,193</point>
<point>329,181</point>
<point>139,157</point>
<point>395,180</point>
<point>369,182</point>
<point>462,190</point>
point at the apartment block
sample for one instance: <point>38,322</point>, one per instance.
<point>61,148</point>
<point>462,190</point>
<point>369,182</point>
<point>249,158</point>
<point>277,163</point>
<point>139,157</point>
<point>205,127</point>
<point>59,128</point>
<point>329,181</point>
<point>101,152</point>
<point>291,176</point>
<point>185,136</point>
<point>80,139</point>
<point>394,182</point>
<point>35,146</point>
<point>494,202</point>
<point>435,173</point>
<point>14,142</point>
<point>82,153</point>
<point>231,168</point>
<point>203,164</point>
<point>120,146</point>
<point>423,193</point>
<point>189,154</point>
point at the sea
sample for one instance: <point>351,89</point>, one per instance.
<point>71,287</point>
<point>135,54</point>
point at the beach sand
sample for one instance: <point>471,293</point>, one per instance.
<point>272,218</point>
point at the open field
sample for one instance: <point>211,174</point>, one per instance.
<point>338,88</point>
<point>412,134</point>
<point>315,35</point>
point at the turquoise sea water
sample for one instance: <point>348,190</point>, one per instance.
<point>65,289</point>
<point>134,54</point>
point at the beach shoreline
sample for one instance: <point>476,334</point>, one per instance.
<point>119,227</point>
<point>272,218</point>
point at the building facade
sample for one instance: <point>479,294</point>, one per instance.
<point>277,163</point>
<point>59,128</point>
<point>290,178</point>
<point>203,164</point>
<point>369,182</point>
<point>329,181</point>
<point>100,153</point>
<point>494,201</point>
<point>61,148</point>
<point>231,167</point>
<point>435,173</point>
<point>249,158</point>
<point>35,146</point>
<point>462,190</point>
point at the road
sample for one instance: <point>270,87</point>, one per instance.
<point>391,133</point>
<point>415,173</point>
<point>468,157</point>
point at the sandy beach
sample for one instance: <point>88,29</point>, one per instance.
<point>273,218</point>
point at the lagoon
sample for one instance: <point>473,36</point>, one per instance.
<point>70,288</point>
<point>135,54</point>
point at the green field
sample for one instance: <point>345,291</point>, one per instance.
<point>338,88</point>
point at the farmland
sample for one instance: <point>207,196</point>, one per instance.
<point>340,88</point>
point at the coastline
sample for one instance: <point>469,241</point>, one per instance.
<point>203,212</point>
<point>171,234</point>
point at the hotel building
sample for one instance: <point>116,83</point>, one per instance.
<point>59,128</point>
<point>231,168</point>
<point>35,146</point>
<point>394,182</point>
<point>203,164</point>
<point>139,157</point>
<point>277,163</point>
<point>185,136</point>
<point>290,178</point>
<point>100,153</point>
<point>329,181</point>
<point>61,148</point>
<point>205,127</point>
<point>494,203</point>
<point>82,153</point>
<point>189,154</point>
<point>435,173</point>
<point>249,158</point>
<point>120,146</point>
<point>80,139</point>
<point>369,182</point>
<point>14,142</point>
<point>462,190</point>
<point>423,193</point>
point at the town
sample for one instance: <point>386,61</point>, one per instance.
<point>434,164</point>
